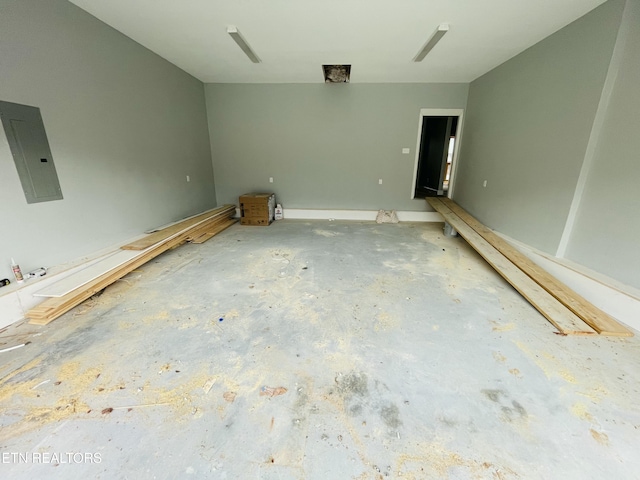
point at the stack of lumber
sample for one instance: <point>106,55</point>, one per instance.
<point>565,309</point>
<point>196,229</point>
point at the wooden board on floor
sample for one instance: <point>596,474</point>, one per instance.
<point>600,321</point>
<point>206,236</point>
<point>207,226</point>
<point>160,235</point>
<point>52,308</point>
<point>557,314</point>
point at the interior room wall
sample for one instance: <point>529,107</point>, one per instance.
<point>527,126</point>
<point>606,234</point>
<point>325,145</point>
<point>125,128</point>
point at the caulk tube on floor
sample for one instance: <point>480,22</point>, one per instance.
<point>16,271</point>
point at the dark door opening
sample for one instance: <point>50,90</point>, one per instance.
<point>437,141</point>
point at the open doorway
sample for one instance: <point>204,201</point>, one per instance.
<point>438,141</point>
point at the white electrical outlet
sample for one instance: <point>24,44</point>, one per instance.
<point>188,178</point>
<point>379,181</point>
<point>406,151</point>
<point>484,184</point>
<point>270,179</point>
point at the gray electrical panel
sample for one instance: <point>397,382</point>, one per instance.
<point>31,153</point>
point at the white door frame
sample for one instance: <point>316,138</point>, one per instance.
<point>439,112</point>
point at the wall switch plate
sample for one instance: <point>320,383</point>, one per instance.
<point>188,178</point>
<point>406,151</point>
<point>484,184</point>
<point>270,179</point>
<point>379,181</point>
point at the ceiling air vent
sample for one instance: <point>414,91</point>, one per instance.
<point>336,73</point>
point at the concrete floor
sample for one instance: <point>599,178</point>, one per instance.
<point>402,353</point>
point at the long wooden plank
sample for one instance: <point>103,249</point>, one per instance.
<point>557,314</point>
<point>84,276</point>
<point>101,267</point>
<point>203,238</point>
<point>147,241</point>
<point>52,308</point>
<point>170,224</point>
<point>57,306</point>
<point>600,321</point>
<point>207,226</point>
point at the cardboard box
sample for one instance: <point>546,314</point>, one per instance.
<point>257,208</point>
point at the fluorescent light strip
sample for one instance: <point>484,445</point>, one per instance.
<point>242,43</point>
<point>435,38</point>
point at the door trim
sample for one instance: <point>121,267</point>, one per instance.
<point>439,112</point>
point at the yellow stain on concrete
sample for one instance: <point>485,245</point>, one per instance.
<point>23,389</point>
<point>24,368</point>
<point>187,323</point>
<point>433,460</point>
<point>499,357</point>
<point>385,322</point>
<point>567,376</point>
<point>73,379</point>
<point>162,315</point>
<point>73,383</point>
<point>549,364</point>
<point>504,328</point>
<point>595,394</point>
<point>600,437</point>
<point>580,410</point>
<point>65,407</point>
<point>185,399</point>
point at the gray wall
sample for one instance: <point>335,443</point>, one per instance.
<point>326,146</point>
<point>606,235</point>
<point>527,127</point>
<point>124,125</point>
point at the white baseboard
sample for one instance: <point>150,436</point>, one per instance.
<point>620,301</point>
<point>357,215</point>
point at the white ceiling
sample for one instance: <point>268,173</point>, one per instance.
<point>378,38</point>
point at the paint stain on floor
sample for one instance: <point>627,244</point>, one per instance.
<point>599,437</point>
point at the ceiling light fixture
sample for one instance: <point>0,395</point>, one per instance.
<point>435,38</point>
<point>242,43</point>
